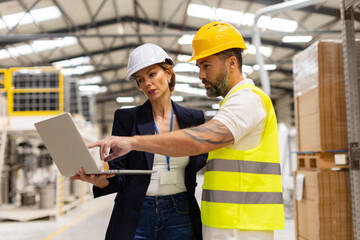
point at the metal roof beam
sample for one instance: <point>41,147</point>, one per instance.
<point>11,39</point>
<point>186,30</point>
<point>334,12</point>
<point>25,13</point>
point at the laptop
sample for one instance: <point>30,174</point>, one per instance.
<point>69,151</point>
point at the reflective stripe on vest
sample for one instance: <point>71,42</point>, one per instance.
<point>242,197</point>
<point>243,189</point>
<point>227,165</point>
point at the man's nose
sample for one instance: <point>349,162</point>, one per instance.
<point>202,74</point>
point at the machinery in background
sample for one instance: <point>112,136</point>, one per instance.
<point>28,177</point>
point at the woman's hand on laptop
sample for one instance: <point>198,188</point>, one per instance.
<point>119,146</point>
<point>98,180</point>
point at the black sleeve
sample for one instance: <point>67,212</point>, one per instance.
<point>121,127</point>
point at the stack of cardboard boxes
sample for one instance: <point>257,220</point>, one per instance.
<point>324,210</point>
<point>322,187</point>
<point>320,108</point>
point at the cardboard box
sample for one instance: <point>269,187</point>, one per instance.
<point>324,212</point>
<point>320,109</point>
<point>307,121</point>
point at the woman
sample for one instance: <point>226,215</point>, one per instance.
<point>161,205</point>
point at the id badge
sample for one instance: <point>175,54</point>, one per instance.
<point>168,177</point>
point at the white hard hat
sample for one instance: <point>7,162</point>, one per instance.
<point>144,56</point>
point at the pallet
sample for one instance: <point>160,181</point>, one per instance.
<point>320,160</point>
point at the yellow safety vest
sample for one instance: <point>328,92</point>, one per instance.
<point>242,189</point>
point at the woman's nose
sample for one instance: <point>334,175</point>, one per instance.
<point>147,82</point>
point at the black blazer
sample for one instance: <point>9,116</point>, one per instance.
<point>131,189</point>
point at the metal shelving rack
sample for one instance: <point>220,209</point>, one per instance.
<point>352,89</point>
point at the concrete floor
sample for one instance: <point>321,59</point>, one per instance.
<point>89,221</point>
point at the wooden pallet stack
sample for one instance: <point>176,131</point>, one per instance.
<point>322,187</point>
<point>322,160</point>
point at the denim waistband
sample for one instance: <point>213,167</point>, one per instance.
<point>179,196</point>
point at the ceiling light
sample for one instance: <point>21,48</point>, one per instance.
<point>268,67</point>
<point>39,15</point>
<point>68,41</point>
<point>90,80</point>
<point>91,89</point>
<point>230,16</point>
<point>4,54</point>
<point>30,71</point>
<point>12,19</point>
<point>182,87</point>
<point>183,58</point>
<point>296,39</point>
<point>45,14</point>
<point>263,22</point>
<point>283,25</point>
<point>177,98</point>
<point>187,79</point>
<point>125,99</point>
<point>20,50</point>
<point>186,39</point>
<point>237,17</point>
<point>248,19</point>
<point>37,46</point>
<point>212,13</point>
<point>77,70</point>
<point>43,45</point>
<point>186,67</point>
<point>265,51</point>
<point>2,24</point>
<point>72,62</point>
<point>247,69</point>
<point>201,11</point>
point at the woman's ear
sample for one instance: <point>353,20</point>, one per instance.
<point>168,73</point>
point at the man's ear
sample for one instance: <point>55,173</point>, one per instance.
<point>232,62</point>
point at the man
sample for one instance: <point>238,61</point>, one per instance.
<point>242,191</point>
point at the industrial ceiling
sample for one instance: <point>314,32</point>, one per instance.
<point>91,40</point>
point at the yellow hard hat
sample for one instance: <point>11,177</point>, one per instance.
<point>215,37</point>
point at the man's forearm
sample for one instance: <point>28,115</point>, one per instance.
<point>186,142</point>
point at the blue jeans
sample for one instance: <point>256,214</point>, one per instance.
<point>165,218</point>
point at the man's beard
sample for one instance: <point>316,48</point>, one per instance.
<point>220,86</point>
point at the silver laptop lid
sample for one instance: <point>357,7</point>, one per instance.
<point>69,151</point>
<point>66,145</point>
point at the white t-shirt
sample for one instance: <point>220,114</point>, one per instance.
<point>177,167</point>
<point>243,114</point>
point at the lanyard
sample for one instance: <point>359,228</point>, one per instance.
<point>171,128</point>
